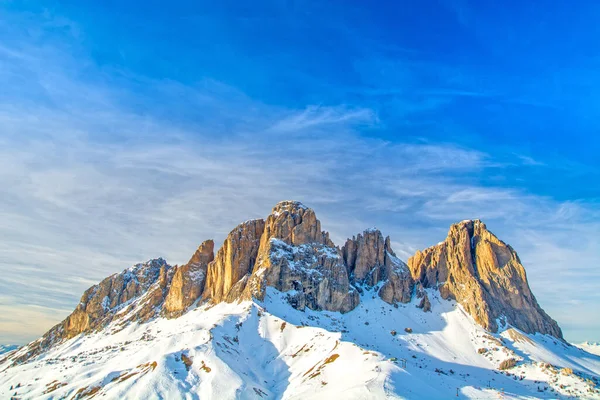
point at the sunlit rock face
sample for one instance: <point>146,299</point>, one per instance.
<point>234,260</point>
<point>188,281</point>
<point>485,276</point>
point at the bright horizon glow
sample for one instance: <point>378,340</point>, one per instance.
<point>138,130</point>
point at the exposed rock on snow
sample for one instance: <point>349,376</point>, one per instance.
<point>296,255</point>
<point>424,304</point>
<point>370,260</point>
<point>485,276</point>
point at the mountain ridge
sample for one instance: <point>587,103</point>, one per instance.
<point>280,311</point>
<point>289,251</point>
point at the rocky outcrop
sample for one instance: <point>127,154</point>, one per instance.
<point>234,260</point>
<point>101,302</point>
<point>313,273</point>
<point>398,286</point>
<point>365,257</point>
<point>424,304</point>
<point>296,256</point>
<point>188,281</point>
<point>132,295</point>
<point>485,276</point>
<point>369,260</point>
<point>295,224</point>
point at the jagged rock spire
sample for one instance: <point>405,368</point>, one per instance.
<point>295,224</point>
<point>485,276</point>
<point>369,259</point>
<point>188,281</point>
<point>234,260</point>
<point>295,255</point>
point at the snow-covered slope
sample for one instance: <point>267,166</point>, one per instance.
<point>5,348</point>
<point>268,349</point>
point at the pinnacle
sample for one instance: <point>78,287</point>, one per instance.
<point>470,222</point>
<point>473,226</point>
<point>288,205</point>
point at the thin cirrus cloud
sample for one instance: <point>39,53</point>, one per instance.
<point>91,185</point>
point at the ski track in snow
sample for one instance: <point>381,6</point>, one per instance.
<point>268,350</point>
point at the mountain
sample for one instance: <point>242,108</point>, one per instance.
<point>5,348</point>
<point>485,276</point>
<point>279,311</point>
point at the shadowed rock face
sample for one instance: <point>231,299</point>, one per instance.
<point>370,260</point>
<point>296,255</point>
<point>485,276</point>
<point>289,252</point>
<point>313,271</point>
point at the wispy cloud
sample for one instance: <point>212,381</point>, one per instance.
<point>314,116</point>
<point>96,176</point>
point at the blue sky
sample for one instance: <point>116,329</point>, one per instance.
<point>135,130</point>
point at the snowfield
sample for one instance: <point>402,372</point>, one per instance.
<point>269,350</point>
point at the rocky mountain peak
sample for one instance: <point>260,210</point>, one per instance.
<point>289,252</point>
<point>485,275</point>
<point>295,254</point>
<point>295,224</point>
<point>289,206</point>
<point>204,254</point>
<point>370,260</point>
<point>471,226</point>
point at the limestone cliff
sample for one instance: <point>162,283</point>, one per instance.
<point>188,281</point>
<point>296,256</point>
<point>370,260</point>
<point>234,260</point>
<point>485,276</point>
